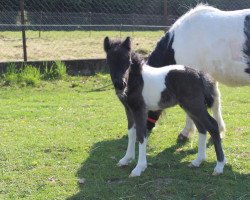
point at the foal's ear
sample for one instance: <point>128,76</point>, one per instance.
<point>107,44</point>
<point>127,43</point>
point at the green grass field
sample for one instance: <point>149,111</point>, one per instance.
<point>54,135</point>
<point>61,45</point>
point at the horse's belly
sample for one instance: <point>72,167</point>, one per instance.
<point>228,72</point>
<point>222,58</point>
<point>231,74</point>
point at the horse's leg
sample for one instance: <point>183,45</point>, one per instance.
<point>130,153</point>
<point>216,108</point>
<point>213,129</point>
<point>142,159</point>
<point>201,146</point>
<point>205,122</point>
<point>140,117</point>
<point>153,116</point>
<point>187,131</point>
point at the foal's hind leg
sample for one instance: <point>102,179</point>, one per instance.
<point>216,108</point>
<point>201,146</point>
<point>204,122</point>
<point>130,153</point>
<point>215,134</point>
<point>208,123</point>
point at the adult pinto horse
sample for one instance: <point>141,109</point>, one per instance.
<point>211,40</point>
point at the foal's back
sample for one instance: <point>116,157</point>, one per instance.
<point>154,83</point>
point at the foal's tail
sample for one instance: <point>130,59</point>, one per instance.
<point>208,89</point>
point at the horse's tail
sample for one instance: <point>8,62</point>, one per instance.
<point>208,89</point>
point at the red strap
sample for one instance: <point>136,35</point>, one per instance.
<point>152,120</point>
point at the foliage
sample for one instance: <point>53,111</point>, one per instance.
<point>57,71</point>
<point>29,75</point>
<point>11,75</point>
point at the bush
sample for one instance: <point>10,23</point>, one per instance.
<point>29,75</point>
<point>55,72</point>
<point>11,75</point>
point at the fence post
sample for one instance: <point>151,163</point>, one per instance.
<point>23,30</point>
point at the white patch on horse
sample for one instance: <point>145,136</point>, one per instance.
<point>130,153</point>
<point>189,129</point>
<point>216,109</point>
<point>154,84</point>
<point>219,167</point>
<point>201,150</point>
<point>142,160</point>
<point>212,40</point>
<point>236,49</point>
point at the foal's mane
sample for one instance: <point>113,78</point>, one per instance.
<point>136,62</point>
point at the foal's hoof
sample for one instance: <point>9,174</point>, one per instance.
<point>191,165</point>
<point>182,138</point>
<point>137,170</point>
<point>121,165</point>
<point>132,175</point>
<point>219,167</point>
<point>217,173</point>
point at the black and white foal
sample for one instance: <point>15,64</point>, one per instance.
<point>142,88</point>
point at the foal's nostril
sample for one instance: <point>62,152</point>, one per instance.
<point>119,85</point>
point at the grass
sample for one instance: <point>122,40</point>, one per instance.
<point>59,45</point>
<point>54,135</point>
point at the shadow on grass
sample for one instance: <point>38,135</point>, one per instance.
<point>167,176</point>
<point>101,89</point>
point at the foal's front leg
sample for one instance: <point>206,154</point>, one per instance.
<point>140,118</point>
<point>130,153</point>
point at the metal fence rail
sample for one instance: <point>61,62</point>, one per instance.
<point>74,29</point>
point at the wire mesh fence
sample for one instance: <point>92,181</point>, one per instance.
<point>74,29</point>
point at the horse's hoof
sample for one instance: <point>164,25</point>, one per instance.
<point>191,165</point>
<point>182,138</point>
<point>119,165</point>
<point>132,175</point>
<point>219,167</point>
<point>216,173</point>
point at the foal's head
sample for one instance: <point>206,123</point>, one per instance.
<point>119,60</point>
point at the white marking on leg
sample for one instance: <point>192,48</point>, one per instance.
<point>201,151</point>
<point>216,108</point>
<point>189,128</point>
<point>142,160</point>
<point>130,153</point>
<point>219,167</point>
